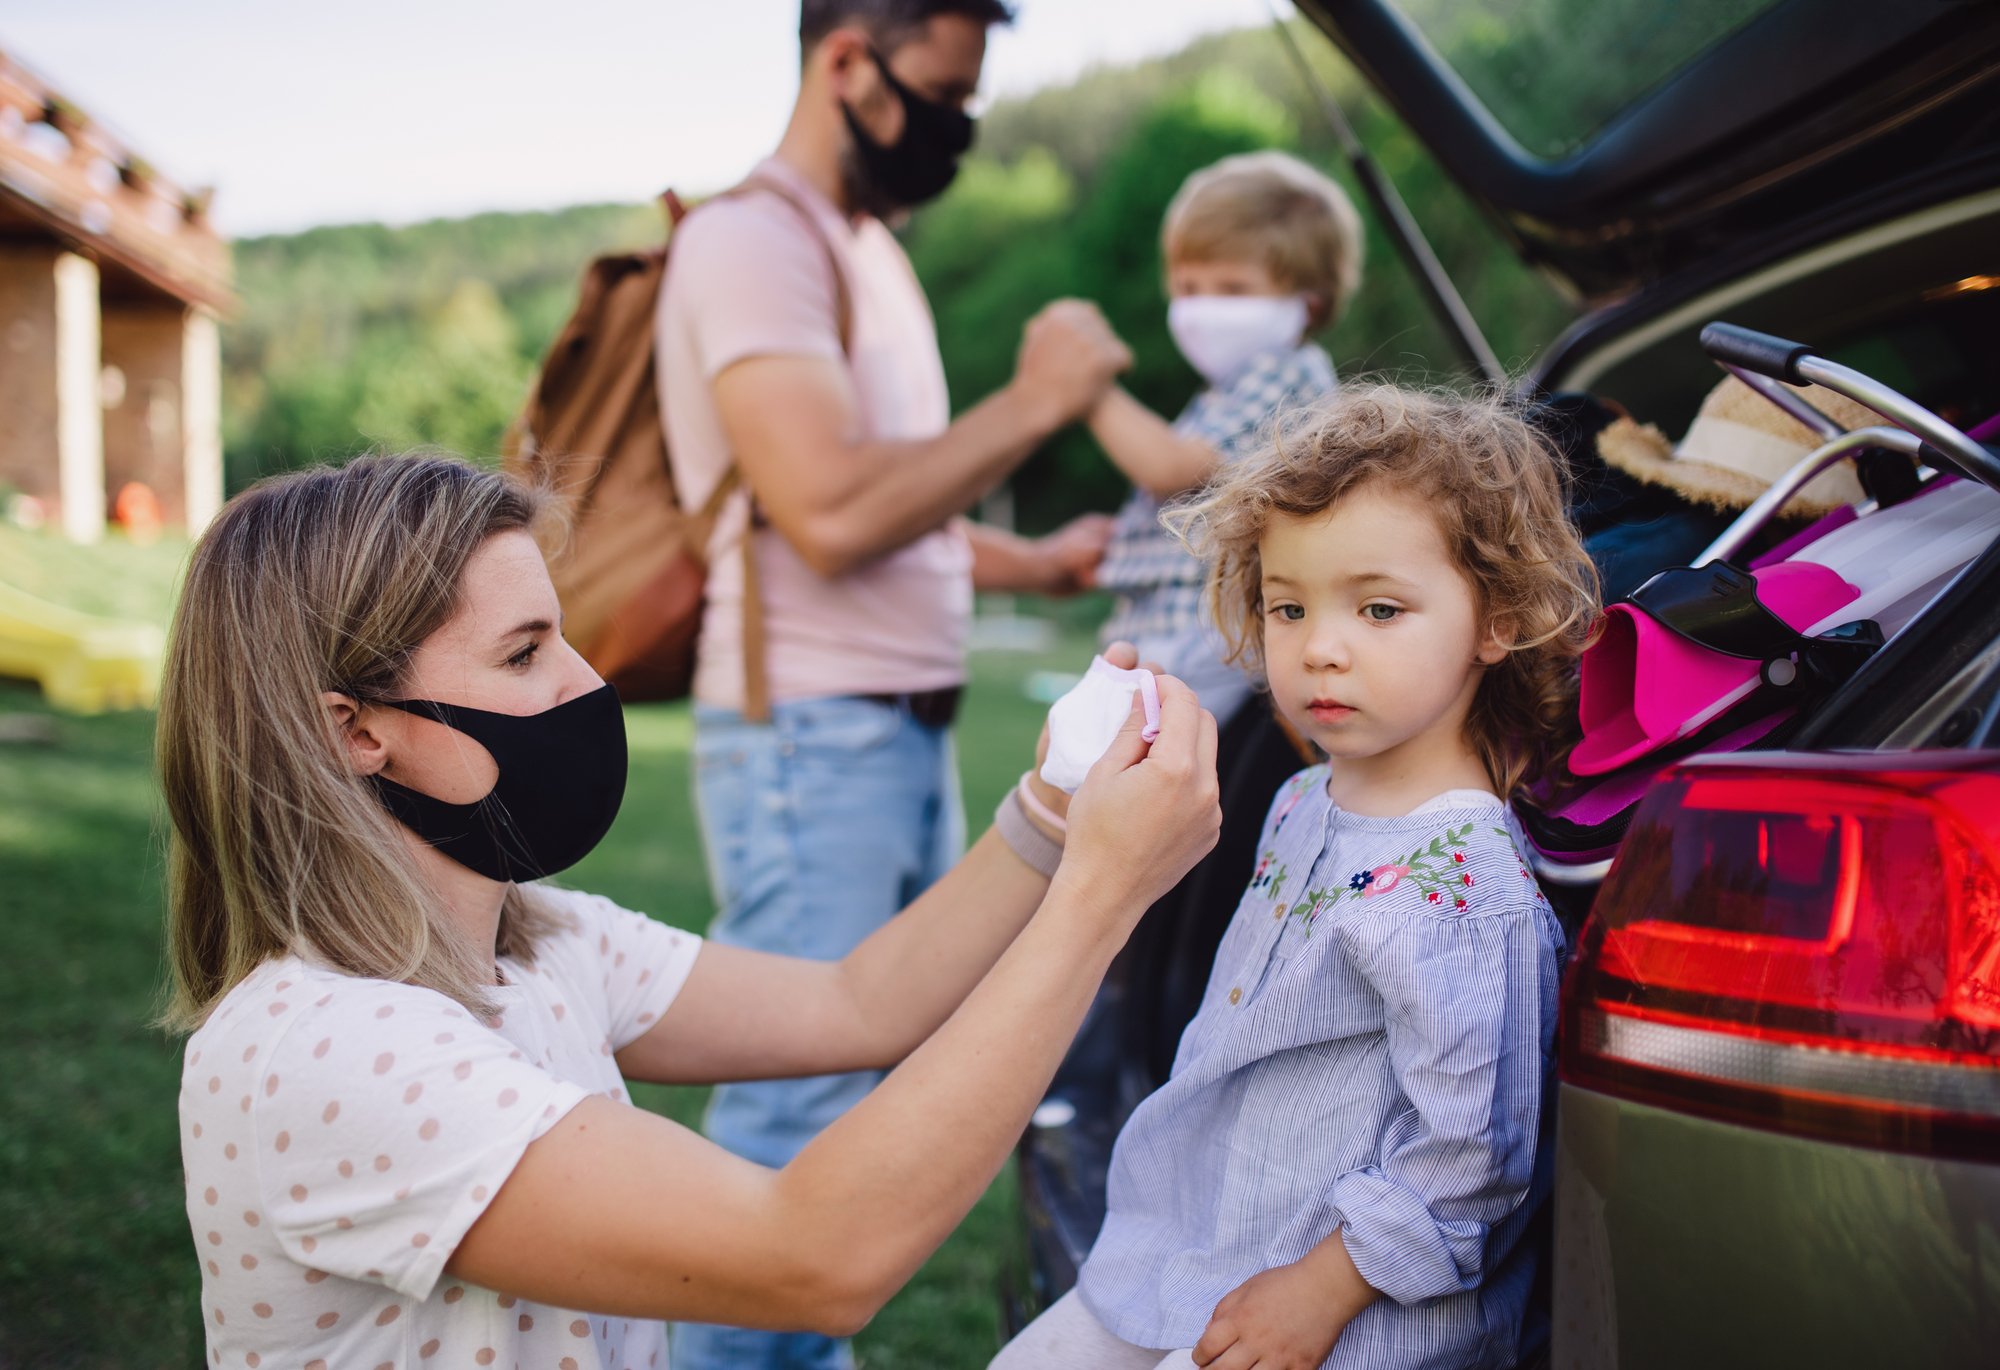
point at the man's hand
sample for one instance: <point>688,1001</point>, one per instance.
<point>1068,360</point>
<point>1070,556</point>
<point>1287,1318</point>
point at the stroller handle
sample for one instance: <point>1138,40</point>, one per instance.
<point>1733,345</point>
<point>1796,363</point>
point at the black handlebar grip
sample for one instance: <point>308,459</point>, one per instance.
<point>1754,351</point>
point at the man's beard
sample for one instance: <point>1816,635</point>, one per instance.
<point>859,190</point>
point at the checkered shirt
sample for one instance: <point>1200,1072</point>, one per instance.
<point>1156,580</point>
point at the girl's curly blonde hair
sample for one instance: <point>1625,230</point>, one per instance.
<point>1497,490</point>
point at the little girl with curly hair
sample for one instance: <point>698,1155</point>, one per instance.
<point>1355,1135</point>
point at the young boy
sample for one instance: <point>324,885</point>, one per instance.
<point>1261,252</point>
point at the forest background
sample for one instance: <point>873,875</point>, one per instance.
<point>369,336</point>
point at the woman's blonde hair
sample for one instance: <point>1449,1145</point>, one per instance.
<point>1497,490</point>
<point>326,579</point>
<point>1272,209</point>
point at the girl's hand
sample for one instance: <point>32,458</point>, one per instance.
<point>1287,1318</point>
<point>1146,812</point>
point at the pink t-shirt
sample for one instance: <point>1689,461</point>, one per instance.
<point>747,278</point>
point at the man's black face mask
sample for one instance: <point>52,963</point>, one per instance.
<point>919,164</point>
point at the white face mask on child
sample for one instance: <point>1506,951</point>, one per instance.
<point>1218,334</point>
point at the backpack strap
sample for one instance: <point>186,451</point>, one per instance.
<point>756,678</point>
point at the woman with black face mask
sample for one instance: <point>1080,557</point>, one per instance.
<point>404,1119</point>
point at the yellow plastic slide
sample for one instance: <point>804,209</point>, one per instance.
<point>84,664</point>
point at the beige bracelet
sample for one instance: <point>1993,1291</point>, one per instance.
<point>1037,850</point>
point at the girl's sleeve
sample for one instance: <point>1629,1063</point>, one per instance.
<point>385,1119</point>
<point>1469,1002</point>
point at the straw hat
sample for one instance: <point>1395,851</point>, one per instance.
<point>1736,447</point>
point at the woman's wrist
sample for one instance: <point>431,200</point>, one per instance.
<point>1037,849</point>
<point>1046,806</point>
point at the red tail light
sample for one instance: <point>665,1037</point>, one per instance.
<point>1806,943</point>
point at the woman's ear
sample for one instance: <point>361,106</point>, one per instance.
<point>365,752</point>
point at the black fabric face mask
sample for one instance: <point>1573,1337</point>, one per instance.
<point>562,778</point>
<point>922,162</point>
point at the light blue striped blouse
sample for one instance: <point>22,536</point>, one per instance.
<point>1374,1052</point>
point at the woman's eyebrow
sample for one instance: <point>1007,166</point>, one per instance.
<point>534,627</point>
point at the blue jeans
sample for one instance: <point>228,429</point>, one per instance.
<point>818,826</point>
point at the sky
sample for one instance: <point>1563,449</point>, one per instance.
<point>304,113</point>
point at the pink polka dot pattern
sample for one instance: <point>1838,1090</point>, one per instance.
<point>348,1175</point>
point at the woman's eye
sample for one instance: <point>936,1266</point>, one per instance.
<point>525,655</point>
<point>1381,613</point>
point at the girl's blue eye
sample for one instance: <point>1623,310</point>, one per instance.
<point>1381,613</point>
<point>1290,613</point>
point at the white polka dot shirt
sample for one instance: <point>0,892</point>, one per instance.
<point>339,1136</point>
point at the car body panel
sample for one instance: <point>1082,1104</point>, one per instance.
<point>1682,1241</point>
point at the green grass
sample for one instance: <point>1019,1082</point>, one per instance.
<point>115,577</point>
<point>96,1265</point>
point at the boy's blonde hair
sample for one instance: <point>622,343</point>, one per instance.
<point>1497,490</point>
<point>327,579</point>
<point>1273,209</point>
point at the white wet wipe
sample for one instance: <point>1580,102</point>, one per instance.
<point>1083,723</point>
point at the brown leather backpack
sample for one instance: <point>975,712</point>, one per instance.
<point>632,572</point>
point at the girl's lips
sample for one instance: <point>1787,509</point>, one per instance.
<point>1329,711</point>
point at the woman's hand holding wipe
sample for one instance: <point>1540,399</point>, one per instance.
<point>619,1211</point>
<point>1146,812</point>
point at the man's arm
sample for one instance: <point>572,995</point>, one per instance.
<point>842,499</point>
<point>1062,563</point>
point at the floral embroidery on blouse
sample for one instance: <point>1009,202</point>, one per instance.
<point>1429,868</point>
